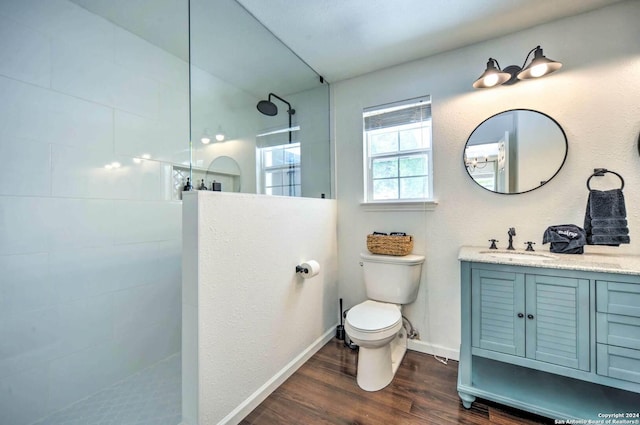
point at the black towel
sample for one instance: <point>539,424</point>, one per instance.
<point>565,239</point>
<point>605,218</point>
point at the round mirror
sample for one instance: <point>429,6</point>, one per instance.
<point>223,175</point>
<point>515,151</point>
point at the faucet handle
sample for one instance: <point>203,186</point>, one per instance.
<point>529,247</point>
<point>493,243</point>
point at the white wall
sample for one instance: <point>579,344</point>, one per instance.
<point>594,98</point>
<point>89,257</point>
<point>248,319</point>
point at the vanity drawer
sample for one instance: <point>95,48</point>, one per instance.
<point>618,298</point>
<point>617,362</point>
<point>621,331</point>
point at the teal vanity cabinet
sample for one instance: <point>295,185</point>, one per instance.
<point>559,337</point>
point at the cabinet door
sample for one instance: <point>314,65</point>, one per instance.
<point>497,300</point>
<point>557,320</point>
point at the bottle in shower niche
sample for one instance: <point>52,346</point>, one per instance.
<point>202,186</point>
<point>187,187</point>
<point>216,186</point>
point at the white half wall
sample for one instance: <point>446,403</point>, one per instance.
<point>248,319</point>
<point>594,97</point>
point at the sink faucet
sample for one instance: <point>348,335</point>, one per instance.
<point>511,233</point>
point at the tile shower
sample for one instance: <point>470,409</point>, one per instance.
<point>89,255</point>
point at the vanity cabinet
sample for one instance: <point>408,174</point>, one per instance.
<point>556,341</point>
<point>538,317</point>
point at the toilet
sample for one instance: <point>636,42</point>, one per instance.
<point>376,325</point>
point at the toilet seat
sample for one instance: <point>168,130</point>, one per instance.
<point>373,317</point>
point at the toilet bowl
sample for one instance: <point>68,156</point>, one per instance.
<point>376,328</point>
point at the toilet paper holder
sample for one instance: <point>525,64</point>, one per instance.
<point>300,269</point>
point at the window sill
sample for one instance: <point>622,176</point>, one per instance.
<point>399,206</point>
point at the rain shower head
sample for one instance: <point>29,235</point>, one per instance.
<point>269,108</point>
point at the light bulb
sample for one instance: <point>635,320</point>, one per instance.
<point>539,70</point>
<point>205,140</point>
<point>219,137</point>
<point>491,80</point>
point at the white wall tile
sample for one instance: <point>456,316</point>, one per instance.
<point>23,397</point>
<point>143,58</point>
<point>83,273</point>
<point>83,73</point>
<point>24,54</point>
<point>23,225</point>
<point>79,223</point>
<point>26,167</point>
<point>146,221</point>
<point>81,173</point>
<point>75,376</point>
<point>142,347</point>
<point>25,283</point>
<point>142,306</point>
<point>141,180</point>
<point>154,263</point>
<point>86,322</point>
<point>64,20</point>
<point>28,339</point>
<point>136,135</point>
<point>136,93</point>
<point>44,116</point>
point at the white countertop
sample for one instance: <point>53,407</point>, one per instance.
<point>594,262</point>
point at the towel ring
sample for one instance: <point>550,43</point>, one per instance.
<point>599,172</point>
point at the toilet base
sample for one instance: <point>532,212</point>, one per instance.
<point>377,366</point>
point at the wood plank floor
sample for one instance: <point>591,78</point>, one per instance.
<point>324,391</point>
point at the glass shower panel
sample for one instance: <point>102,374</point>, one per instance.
<point>236,63</point>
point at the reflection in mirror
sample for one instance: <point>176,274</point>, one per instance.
<point>235,64</point>
<point>226,172</point>
<point>515,151</point>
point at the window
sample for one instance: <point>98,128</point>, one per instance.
<point>397,151</point>
<point>281,170</point>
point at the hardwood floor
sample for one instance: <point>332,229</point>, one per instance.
<point>324,391</point>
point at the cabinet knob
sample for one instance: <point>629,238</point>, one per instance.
<point>529,316</point>
<point>520,315</point>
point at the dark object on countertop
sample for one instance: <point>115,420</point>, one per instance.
<point>380,233</point>
<point>216,186</point>
<point>565,239</point>
<point>529,246</point>
<point>397,234</point>
<point>493,243</point>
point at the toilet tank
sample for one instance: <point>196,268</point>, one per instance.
<point>392,279</point>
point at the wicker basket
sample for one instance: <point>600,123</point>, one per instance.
<point>389,245</point>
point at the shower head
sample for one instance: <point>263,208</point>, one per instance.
<point>269,108</point>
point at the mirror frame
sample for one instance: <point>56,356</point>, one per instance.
<point>564,159</point>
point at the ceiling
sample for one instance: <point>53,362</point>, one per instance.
<point>341,39</point>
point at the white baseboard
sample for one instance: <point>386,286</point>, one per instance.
<point>239,413</point>
<point>427,348</point>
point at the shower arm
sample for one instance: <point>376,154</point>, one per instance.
<point>289,111</point>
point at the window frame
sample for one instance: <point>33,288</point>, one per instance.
<point>285,167</point>
<point>368,158</point>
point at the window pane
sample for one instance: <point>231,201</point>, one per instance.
<point>383,142</point>
<point>292,155</point>
<point>382,168</point>
<point>276,157</point>
<point>413,166</point>
<point>273,178</point>
<point>413,187</point>
<point>415,138</point>
<point>385,189</point>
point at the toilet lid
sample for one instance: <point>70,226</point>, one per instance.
<point>373,316</point>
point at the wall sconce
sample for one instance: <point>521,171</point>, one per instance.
<point>494,76</point>
<point>206,137</point>
<point>220,134</point>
